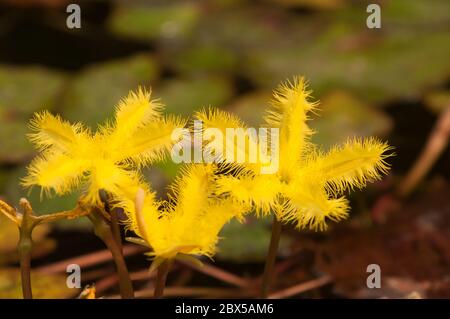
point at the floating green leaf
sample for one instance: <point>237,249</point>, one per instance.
<point>183,96</point>
<point>343,116</point>
<point>92,95</point>
<point>155,21</point>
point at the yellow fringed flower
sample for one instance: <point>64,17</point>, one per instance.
<point>189,222</point>
<point>307,187</point>
<point>72,156</point>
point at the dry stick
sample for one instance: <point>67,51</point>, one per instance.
<point>271,257</point>
<point>300,288</point>
<point>109,281</point>
<point>9,212</point>
<point>103,231</point>
<point>88,260</point>
<point>161,277</point>
<point>218,274</point>
<point>436,144</point>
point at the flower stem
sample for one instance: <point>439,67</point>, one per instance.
<point>116,228</point>
<point>113,213</point>
<point>103,230</point>
<point>271,257</point>
<point>161,277</point>
<point>24,246</point>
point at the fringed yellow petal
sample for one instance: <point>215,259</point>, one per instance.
<point>132,113</point>
<point>215,118</point>
<point>308,205</point>
<point>138,135</point>
<point>152,142</point>
<point>136,110</point>
<point>52,131</point>
<point>113,179</point>
<point>238,143</point>
<point>143,213</point>
<point>192,189</point>
<point>289,113</point>
<point>260,192</point>
<point>353,164</point>
<point>55,171</point>
<point>191,222</point>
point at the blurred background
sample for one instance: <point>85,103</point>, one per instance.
<point>392,82</point>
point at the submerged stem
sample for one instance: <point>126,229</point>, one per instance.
<point>271,257</point>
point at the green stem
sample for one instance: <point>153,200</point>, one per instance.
<point>271,257</point>
<point>161,278</point>
<point>103,230</point>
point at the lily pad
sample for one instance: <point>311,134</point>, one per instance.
<point>14,145</point>
<point>251,107</point>
<point>150,22</point>
<point>92,95</point>
<point>183,96</point>
<point>204,58</point>
<point>24,90</point>
<point>343,116</point>
<point>347,55</point>
<point>21,94</point>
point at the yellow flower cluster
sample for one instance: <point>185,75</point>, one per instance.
<point>205,197</point>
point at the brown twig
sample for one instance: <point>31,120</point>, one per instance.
<point>9,212</point>
<point>109,281</point>
<point>218,273</point>
<point>436,144</point>
<point>300,288</point>
<point>88,260</point>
